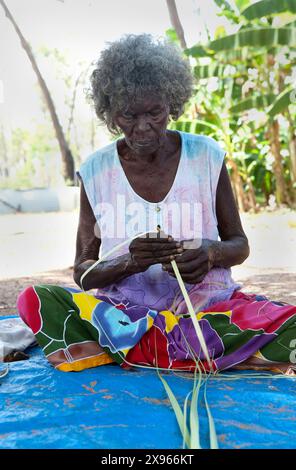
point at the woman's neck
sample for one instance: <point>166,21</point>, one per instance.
<point>170,145</point>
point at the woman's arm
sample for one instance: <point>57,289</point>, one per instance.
<point>233,248</point>
<point>87,250</point>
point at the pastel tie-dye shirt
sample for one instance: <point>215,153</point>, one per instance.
<point>187,212</point>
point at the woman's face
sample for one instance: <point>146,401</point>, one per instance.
<point>144,124</point>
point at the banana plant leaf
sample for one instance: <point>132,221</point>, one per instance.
<point>241,4</point>
<point>274,105</point>
<point>268,8</point>
<point>214,70</point>
<point>256,37</point>
<point>282,101</point>
<point>198,51</point>
<point>224,5</point>
<point>195,126</point>
<point>253,102</point>
<point>292,24</point>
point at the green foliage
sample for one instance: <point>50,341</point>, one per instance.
<point>281,103</point>
<point>198,51</point>
<point>32,159</point>
<point>216,70</point>
<point>227,11</point>
<point>256,37</point>
<point>268,8</point>
<point>172,35</point>
<point>242,4</point>
<point>244,81</point>
<point>252,102</point>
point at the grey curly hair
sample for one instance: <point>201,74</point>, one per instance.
<point>133,66</point>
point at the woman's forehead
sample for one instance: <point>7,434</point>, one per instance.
<point>146,102</point>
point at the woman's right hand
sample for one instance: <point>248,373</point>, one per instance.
<point>151,249</point>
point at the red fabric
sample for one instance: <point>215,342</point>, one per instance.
<point>28,305</point>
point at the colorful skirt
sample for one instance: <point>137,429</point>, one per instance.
<point>77,330</point>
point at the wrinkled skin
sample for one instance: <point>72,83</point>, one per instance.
<point>148,251</point>
<point>193,264</point>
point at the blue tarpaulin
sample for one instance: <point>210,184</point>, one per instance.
<point>108,407</point>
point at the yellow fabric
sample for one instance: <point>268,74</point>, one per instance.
<point>86,304</point>
<point>171,320</point>
<point>86,363</point>
<point>200,315</point>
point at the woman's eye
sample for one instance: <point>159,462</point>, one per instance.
<point>127,116</point>
<point>155,113</point>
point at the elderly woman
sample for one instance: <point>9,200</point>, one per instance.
<point>152,196</point>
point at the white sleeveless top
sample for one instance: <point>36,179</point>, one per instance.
<point>187,212</point>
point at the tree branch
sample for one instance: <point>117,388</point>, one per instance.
<point>176,22</point>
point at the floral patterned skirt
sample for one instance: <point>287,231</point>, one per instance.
<point>77,330</point>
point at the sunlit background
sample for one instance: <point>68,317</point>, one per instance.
<point>67,37</point>
<point>237,105</point>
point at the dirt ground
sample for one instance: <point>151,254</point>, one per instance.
<point>276,285</point>
<point>10,288</point>
<point>40,248</point>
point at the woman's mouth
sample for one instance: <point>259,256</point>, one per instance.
<point>143,143</point>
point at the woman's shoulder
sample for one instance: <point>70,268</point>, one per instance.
<point>200,141</point>
<point>198,145</point>
<point>98,160</point>
<point>100,154</point>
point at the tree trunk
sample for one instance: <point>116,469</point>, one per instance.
<point>238,186</point>
<point>67,157</point>
<point>73,101</point>
<point>251,195</point>
<point>176,23</point>
<point>282,195</point>
<point>292,147</point>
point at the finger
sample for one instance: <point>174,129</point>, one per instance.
<point>184,257</point>
<point>166,248</point>
<point>190,267</point>
<point>189,255</point>
<point>195,277</point>
<point>157,246</point>
<point>160,256</point>
<point>189,280</point>
<point>186,267</point>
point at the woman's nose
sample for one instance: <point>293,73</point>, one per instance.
<point>143,123</point>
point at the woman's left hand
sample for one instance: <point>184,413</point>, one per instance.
<point>193,264</point>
